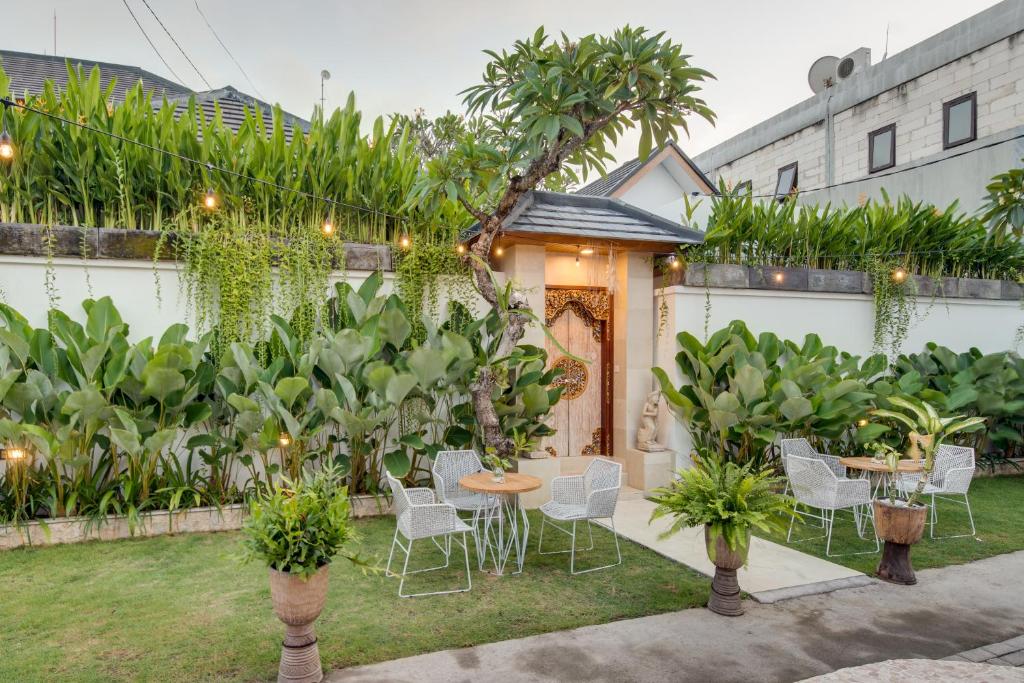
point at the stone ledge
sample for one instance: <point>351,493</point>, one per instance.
<point>25,239</point>
<point>731,276</point>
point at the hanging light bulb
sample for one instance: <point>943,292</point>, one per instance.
<point>587,251</point>
<point>14,453</point>
<point>460,249</point>
<point>6,146</point>
<point>210,200</point>
<point>577,260</point>
<point>899,275</point>
<point>499,251</point>
<point>327,228</point>
<point>404,242</point>
<point>285,439</point>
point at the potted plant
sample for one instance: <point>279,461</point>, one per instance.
<point>729,500</point>
<point>296,529</point>
<point>497,464</point>
<point>899,521</point>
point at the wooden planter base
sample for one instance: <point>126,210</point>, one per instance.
<point>895,566</point>
<point>725,593</point>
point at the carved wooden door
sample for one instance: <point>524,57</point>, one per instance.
<point>580,320</point>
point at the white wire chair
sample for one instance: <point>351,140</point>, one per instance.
<point>803,449</point>
<point>418,516</point>
<point>815,485</point>
<point>448,469</point>
<point>950,476</point>
<point>583,497</point>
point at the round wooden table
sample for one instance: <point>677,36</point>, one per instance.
<point>503,510</point>
<point>868,464</point>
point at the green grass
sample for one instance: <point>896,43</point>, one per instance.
<point>998,507</point>
<point>182,608</point>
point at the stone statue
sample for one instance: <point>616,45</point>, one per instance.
<point>647,432</point>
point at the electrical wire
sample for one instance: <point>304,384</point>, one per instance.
<point>177,45</point>
<point>150,41</point>
<point>210,26</point>
<point>874,176</point>
<point>207,165</point>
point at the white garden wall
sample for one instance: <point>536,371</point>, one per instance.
<point>842,320</point>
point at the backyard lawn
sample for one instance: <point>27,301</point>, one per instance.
<point>998,507</point>
<point>183,608</point>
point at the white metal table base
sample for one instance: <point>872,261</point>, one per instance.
<point>504,531</point>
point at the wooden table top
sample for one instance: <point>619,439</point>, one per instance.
<point>482,482</point>
<point>866,462</point>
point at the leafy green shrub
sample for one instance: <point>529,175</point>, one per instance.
<point>300,526</point>
<point>729,499</point>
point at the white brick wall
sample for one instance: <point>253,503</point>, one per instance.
<point>995,73</point>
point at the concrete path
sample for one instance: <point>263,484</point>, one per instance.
<point>775,571</point>
<point>950,610</point>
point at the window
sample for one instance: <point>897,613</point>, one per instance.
<point>744,187</point>
<point>786,184</point>
<point>882,148</point>
<point>959,120</point>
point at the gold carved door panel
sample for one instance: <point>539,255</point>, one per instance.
<point>579,417</point>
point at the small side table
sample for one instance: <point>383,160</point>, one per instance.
<point>506,527</point>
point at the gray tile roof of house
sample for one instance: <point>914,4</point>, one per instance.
<point>586,217</point>
<point>28,72</point>
<point>614,179</point>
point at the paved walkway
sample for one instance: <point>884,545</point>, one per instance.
<point>949,611</point>
<point>1004,653</point>
<point>774,572</point>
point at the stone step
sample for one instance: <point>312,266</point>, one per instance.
<point>630,493</point>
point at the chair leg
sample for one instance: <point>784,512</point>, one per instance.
<point>792,521</point>
<point>572,551</point>
<point>828,534</point>
<point>970,515</point>
<point>406,572</point>
<point>540,538</point>
<point>934,516</point>
<point>391,555</point>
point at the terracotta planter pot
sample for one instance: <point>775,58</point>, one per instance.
<point>900,527</point>
<point>725,589</point>
<point>298,603</point>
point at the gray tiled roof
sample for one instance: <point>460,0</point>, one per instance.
<point>586,217</point>
<point>28,72</point>
<point>606,185</point>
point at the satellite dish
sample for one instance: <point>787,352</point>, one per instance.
<point>822,73</point>
<point>325,75</point>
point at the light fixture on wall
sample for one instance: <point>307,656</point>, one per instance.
<point>405,242</point>
<point>778,277</point>
<point>14,453</point>
<point>863,422</point>
<point>587,251</point>
<point>460,249</point>
<point>499,251</point>
<point>673,262</point>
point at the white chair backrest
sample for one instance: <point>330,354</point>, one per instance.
<point>811,480</point>
<point>950,459</point>
<point>601,482</point>
<point>398,491</point>
<point>451,466</point>
<point>800,447</point>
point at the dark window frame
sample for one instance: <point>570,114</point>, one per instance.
<point>793,187</point>
<point>746,186</point>
<point>947,106</point>
<point>891,128</point>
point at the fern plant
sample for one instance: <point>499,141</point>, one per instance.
<point>729,500</point>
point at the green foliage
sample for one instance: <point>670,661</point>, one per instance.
<point>730,500</point>
<point>423,273</point>
<point>1004,206</point>
<point>924,239</point>
<point>300,526</point>
<point>742,393</point>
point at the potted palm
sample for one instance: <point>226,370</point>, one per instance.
<point>728,500</point>
<point>296,529</point>
<point>900,520</point>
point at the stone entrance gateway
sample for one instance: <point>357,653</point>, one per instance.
<point>586,266</point>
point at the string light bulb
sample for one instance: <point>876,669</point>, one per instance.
<point>460,249</point>
<point>499,251</point>
<point>327,228</point>
<point>778,277</point>
<point>404,242</point>
<point>14,453</point>
<point>863,422</point>
<point>577,260</point>
<point>587,251</point>
<point>210,200</point>
<point>6,146</point>
<point>284,439</point>
<point>899,275</point>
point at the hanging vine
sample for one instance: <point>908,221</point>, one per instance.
<point>426,271</point>
<point>895,303</point>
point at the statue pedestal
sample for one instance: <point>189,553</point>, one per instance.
<point>647,470</point>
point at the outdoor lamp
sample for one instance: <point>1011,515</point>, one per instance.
<point>778,277</point>
<point>673,262</point>
<point>587,251</point>
<point>14,453</point>
<point>285,439</point>
<point>460,249</point>
<point>210,200</point>
<point>863,422</point>
<point>404,242</point>
<point>899,275</point>
<point>6,146</point>
<point>499,251</point>
<point>327,228</point>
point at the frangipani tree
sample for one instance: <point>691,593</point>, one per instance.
<point>548,107</point>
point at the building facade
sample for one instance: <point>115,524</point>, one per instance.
<point>934,122</point>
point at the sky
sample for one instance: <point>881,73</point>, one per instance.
<point>400,55</point>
